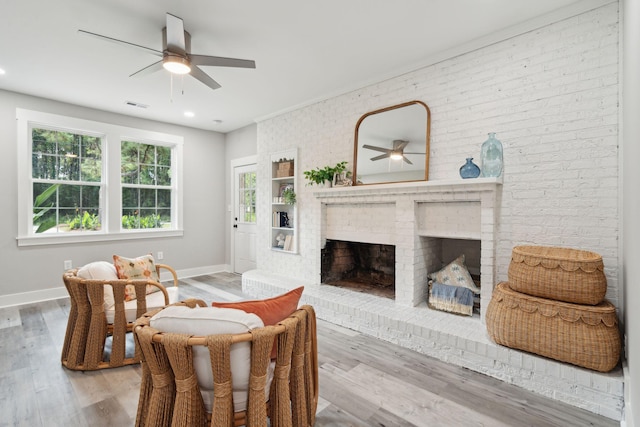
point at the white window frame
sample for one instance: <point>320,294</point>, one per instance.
<point>112,190</point>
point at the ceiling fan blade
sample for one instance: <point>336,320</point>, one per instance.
<point>380,157</point>
<point>405,152</point>
<point>111,39</point>
<point>219,61</point>
<point>175,35</point>
<point>204,78</point>
<point>407,160</point>
<point>156,66</point>
<point>372,147</point>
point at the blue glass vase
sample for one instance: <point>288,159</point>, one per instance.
<point>469,169</point>
<point>491,157</point>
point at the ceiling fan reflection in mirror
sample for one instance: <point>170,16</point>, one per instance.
<point>176,54</point>
<point>395,153</point>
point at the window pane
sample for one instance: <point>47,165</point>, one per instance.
<point>130,198</point>
<point>129,162</point>
<point>164,156</point>
<point>147,174</point>
<point>90,197</point>
<point>146,154</point>
<point>44,166</point>
<point>164,175</point>
<point>69,196</point>
<point>164,198</point>
<point>42,141</point>
<point>90,169</point>
<point>165,216</point>
<point>69,168</point>
<point>147,198</point>
<point>129,173</point>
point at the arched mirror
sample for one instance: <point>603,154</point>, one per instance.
<point>392,145</point>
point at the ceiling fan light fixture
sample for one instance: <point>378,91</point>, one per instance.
<point>396,155</point>
<point>176,64</point>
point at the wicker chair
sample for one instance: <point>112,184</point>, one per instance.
<point>92,320</point>
<point>170,393</point>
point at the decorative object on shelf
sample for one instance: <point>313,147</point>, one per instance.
<point>342,179</point>
<point>325,175</point>
<point>469,169</point>
<point>280,240</point>
<point>285,168</point>
<point>491,157</point>
<point>289,196</point>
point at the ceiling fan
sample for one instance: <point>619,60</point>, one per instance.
<point>395,153</point>
<point>176,54</point>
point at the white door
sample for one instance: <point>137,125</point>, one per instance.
<point>244,218</point>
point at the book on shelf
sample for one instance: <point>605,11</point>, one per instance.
<point>288,243</point>
<point>280,219</point>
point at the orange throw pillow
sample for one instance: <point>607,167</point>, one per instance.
<point>270,310</point>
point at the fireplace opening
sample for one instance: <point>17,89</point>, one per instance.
<point>440,251</point>
<point>363,267</point>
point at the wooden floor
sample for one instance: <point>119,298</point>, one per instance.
<point>363,381</point>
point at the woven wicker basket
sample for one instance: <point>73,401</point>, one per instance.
<point>561,274</point>
<point>583,335</point>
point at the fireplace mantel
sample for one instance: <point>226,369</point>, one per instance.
<point>417,187</point>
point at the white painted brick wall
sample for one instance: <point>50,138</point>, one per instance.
<point>552,97</point>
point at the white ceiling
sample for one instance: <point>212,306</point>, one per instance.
<point>304,50</point>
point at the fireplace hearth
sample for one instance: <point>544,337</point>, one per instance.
<point>362,267</point>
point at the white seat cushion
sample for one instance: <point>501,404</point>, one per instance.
<point>100,270</point>
<point>202,321</point>
<point>154,300</point>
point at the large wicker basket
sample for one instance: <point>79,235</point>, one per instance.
<point>583,335</point>
<point>562,274</point>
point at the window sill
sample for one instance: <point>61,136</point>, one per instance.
<point>97,237</point>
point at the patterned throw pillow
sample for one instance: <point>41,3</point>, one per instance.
<point>143,267</point>
<point>455,274</point>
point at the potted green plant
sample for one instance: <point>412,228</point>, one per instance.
<point>319,176</point>
<point>289,196</point>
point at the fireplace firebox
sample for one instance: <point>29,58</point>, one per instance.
<point>363,267</point>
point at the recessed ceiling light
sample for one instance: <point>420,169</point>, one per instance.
<point>189,114</point>
<point>2,72</point>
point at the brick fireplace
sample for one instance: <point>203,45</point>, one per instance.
<point>429,224</point>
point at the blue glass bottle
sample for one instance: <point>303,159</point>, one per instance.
<point>469,169</point>
<point>491,157</point>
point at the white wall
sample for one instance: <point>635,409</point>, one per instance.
<point>631,206</point>
<point>28,269</point>
<point>551,95</point>
<point>238,144</point>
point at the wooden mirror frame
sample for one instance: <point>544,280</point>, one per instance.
<point>384,110</point>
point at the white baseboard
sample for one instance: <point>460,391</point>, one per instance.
<point>33,296</point>
<point>200,271</point>
<point>61,292</point>
<point>627,419</point>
